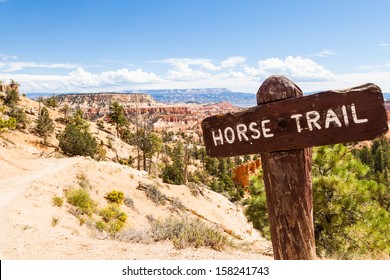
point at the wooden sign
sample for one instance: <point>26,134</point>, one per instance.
<point>324,118</point>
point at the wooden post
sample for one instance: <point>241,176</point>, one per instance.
<point>283,128</point>
<point>287,179</point>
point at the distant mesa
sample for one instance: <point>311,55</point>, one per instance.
<point>97,105</point>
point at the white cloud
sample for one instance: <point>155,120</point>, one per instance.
<point>182,71</point>
<point>195,73</point>
<point>82,78</point>
<point>325,53</point>
<point>17,66</point>
<point>293,67</point>
<point>202,63</point>
<point>5,57</point>
<point>347,80</point>
<point>233,61</point>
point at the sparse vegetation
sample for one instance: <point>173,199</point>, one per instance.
<point>155,195</point>
<point>185,232</point>
<point>177,205</point>
<point>12,98</point>
<point>112,211</point>
<point>115,197</point>
<point>113,219</point>
<point>101,225</point>
<point>51,102</point>
<point>81,200</point>
<point>129,202</point>
<point>57,201</point>
<point>55,221</point>
<point>20,116</point>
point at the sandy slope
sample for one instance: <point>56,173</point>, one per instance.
<point>28,182</point>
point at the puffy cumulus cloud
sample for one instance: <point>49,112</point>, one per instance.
<point>182,71</point>
<point>82,78</point>
<point>232,61</point>
<point>297,68</point>
<point>198,73</point>
<point>202,63</point>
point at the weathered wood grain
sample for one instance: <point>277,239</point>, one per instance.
<point>287,180</point>
<point>329,117</point>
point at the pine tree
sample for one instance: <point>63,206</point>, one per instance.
<point>44,124</point>
<point>76,139</point>
<point>117,116</point>
<point>350,215</point>
<point>174,173</point>
<point>12,98</point>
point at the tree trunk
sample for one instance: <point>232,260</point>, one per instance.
<point>287,179</point>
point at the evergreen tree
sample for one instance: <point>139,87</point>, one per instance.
<point>6,124</point>
<point>174,173</point>
<point>350,221</point>
<point>12,98</point>
<point>76,138</point>
<point>19,115</point>
<point>44,124</point>
<point>117,116</point>
<point>65,110</point>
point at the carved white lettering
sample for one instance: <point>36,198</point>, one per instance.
<point>312,117</point>
<point>255,130</point>
<point>345,115</point>
<point>266,130</point>
<point>218,137</point>
<point>331,117</point>
<point>297,117</point>
<point>241,130</point>
<point>232,136</point>
<point>355,117</point>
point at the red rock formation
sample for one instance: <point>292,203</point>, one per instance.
<point>243,172</point>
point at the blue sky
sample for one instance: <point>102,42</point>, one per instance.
<point>108,45</point>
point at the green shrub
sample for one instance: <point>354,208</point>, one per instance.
<point>44,124</point>
<point>57,201</point>
<point>20,116</point>
<point>176,204</point>
<point>188,232</point>
<point>55,221</point>
<point>115,197</point>
<point>7,124</point>
<point>101,225</point>
<point>112,212</point>
<point>75,140</point>
<point>155,195</point>
<point>113,219</point>
<point>51,102</point>
<point>115,226</point>
<point>129,202</point>
<point>12,98</point>
<point>173,174</point>
<point>81,200</point>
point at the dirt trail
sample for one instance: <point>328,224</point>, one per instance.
<point>16,186</point>
<point>12,187</point>
<point>28,183</point>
